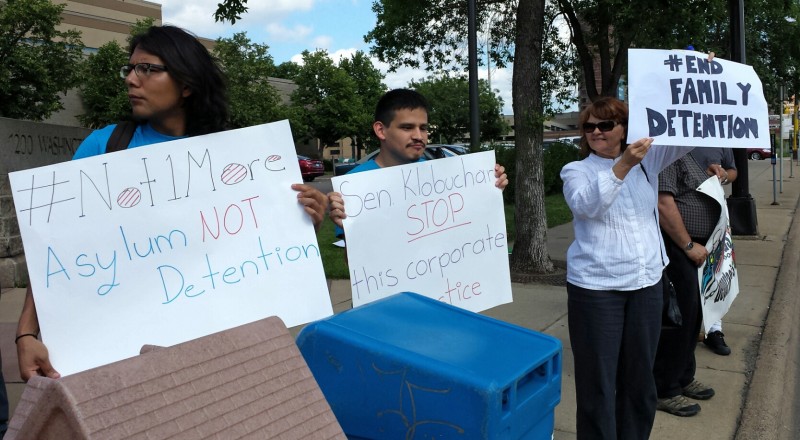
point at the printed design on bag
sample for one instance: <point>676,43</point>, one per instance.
<point>720,268</point>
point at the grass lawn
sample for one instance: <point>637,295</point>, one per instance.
<point>333,257</point>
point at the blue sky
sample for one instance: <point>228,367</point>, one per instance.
<point>289,27</point>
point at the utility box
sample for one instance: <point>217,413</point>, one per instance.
<point>410,367</point>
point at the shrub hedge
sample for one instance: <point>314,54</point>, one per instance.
<point>556,155</point>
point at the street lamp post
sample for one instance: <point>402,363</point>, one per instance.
<point>741,205</point>
<point>472,37</point>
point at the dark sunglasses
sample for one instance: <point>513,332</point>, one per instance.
<point>604,126</point>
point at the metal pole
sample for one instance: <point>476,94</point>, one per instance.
<point>794,137</point>
<point>780,144</point>
<point>474,123</point>
<point>772,159</point>
<point>774,191</point>
<point>741,206</point>
<point>780,167</point>
<point>791,168</point>
<point>489,56</point>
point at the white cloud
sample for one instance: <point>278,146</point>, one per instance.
<point>335,56</point>
<point>342,53</point>
<point>279,32</point>
<point>261,14</point>
<point>297,59</point>
<point>198,15</point>
<point>322,42</point>
<point>500,80</point>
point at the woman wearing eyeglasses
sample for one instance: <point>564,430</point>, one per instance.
<point>614,270</point>
<point>176,90</point>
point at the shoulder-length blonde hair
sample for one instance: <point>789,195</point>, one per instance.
<point>607,109</point>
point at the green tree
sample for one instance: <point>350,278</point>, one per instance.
<point>248,66</point>
<point>772,30</point>
<point>603,30</point>
<point>230,10</point>
<point>287,70</point>
<point>37,62</point>
<point>103,93</point>
<point>325,100</point>
<point>448,116</point>
<point>369,88</point>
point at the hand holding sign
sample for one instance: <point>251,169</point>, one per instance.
<point>681,97</point>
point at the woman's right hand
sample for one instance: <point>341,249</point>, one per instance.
<point>34,360</point>
<point>631,157</point>
<point>636,151</point>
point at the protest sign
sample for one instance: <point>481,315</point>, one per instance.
<point>679,97</point>
<point>165,243</point>
<point>719,281</point>
<point>436,228</point>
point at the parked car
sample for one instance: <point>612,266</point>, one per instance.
<point>759,153</point>
<point>310,168</point>
<point>576,141</point>
<point>346,165</point>
<point>439,151</point>
<point>457,148</point>
<point>432,151</point>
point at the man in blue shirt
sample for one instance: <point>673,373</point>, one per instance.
<point>401,125</point>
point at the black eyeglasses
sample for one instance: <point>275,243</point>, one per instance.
<point>604,126</point>
<point>142,70</point>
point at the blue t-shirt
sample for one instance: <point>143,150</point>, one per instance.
<point>95,143</point>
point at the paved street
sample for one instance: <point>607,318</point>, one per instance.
<point>323,184</point>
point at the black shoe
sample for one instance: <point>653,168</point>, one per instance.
<point>678,406</point>
<point>698,391</point>
<point>716,342</point>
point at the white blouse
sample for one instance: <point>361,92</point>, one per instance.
<point>618,244</point>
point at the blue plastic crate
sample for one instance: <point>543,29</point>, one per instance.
<point>409,367</point>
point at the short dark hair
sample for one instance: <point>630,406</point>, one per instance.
<point>190,63</point>
<point>398,99</point>
<point>608,109</point>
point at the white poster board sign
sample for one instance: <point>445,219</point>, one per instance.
<point>718,278</point>
<point>166,243</point>
<point>679,97</point>
<point>436,228</point>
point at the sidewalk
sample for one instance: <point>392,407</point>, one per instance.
<point>750,383</point>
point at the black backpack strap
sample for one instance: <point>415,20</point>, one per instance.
<point>121,136</point>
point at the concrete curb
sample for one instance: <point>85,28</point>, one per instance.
<point>768,412</point>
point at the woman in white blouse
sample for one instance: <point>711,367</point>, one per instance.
<point>614,269</point>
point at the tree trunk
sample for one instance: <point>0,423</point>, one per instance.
<point>530,253</point>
